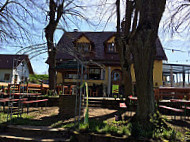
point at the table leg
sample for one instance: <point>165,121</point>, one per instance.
<point>27,108</point>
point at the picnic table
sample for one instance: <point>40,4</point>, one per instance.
<point>132,98</point>
<point>26,94</point>
<point>183,104</point>
<point>22,100</point>
<point>4,100</point>
<point>180,101</point>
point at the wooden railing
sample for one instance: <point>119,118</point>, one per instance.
<point>171,93</point>
<point>29,87</point>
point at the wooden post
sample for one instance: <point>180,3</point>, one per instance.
<point>183,77</point>
<point>41,87</point>
<point>171,76</point>
<point>27,87</point>
<point>19,85</point>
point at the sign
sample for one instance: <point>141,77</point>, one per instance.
<point>115,89</point>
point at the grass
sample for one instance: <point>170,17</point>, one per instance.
<point>24,120</point>
<point>119,128</point>
<point>123,128</point>
<point>115,128</point>
<point>15,119</point>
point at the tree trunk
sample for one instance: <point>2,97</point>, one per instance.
<point>125,66</point>
<point>143,48</point>
<point>55,13</point>
<point>127,82</point>
<point>52,73</point>
<point>143,56</point>
<point>49,30</point>
<point>124,54</point>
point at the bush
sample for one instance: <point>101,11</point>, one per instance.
<point>36,78</point>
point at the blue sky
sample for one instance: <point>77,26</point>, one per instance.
<point>179,42</point>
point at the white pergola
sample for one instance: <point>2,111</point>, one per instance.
<point>176,73</point>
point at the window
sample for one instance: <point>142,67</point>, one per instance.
<point>70,76</point>
<point>94,73</point>
<point>111,47</point>
<point>7,76</point>
<point>83,47</point>
<point>116,75</point>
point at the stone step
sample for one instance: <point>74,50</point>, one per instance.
<point>43,132</point>
<point>7,137</point>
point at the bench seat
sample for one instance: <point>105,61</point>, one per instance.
<point>33,101</point>
<point>187,107</point>
<point>171,108</point>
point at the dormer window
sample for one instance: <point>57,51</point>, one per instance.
<point>111,47</point>
<point>83,47</point>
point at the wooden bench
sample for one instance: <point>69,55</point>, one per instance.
<point>33,101</point>
<point>4,100</point>
<point>172,109</point>
<point>30,88</point>
<point>186,107</point>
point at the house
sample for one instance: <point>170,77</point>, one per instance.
<point>14,68</point>
<point>97,51</point>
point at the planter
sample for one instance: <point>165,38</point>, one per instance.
<point>67,106</point>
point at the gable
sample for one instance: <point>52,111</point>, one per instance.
<point>83,39</point>
<point>111,39</point>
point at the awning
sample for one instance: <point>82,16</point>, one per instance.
<point>176,68</point>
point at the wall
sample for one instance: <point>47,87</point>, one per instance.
<point>90,82</point>
<point>22,70</point>
<point>3,72</point>
<point>59,78</point>
<point>157,75</point>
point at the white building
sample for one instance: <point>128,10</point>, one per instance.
<point>14,68</point>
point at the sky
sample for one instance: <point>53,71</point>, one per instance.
<point>176,47</point>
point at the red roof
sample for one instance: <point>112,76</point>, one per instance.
<point>98,54</point>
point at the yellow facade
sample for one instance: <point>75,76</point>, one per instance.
<point>59,78</point>
<point>90,82</point>
<point>157,75</point>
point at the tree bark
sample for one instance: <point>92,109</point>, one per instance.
<point>125,66</point>
<point>55,14</point>
<point>49,31</point>
<point>143,66</point>
<point>143,49</point>
<point>124,55</point>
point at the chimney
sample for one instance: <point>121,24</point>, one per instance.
<point>75,30</point>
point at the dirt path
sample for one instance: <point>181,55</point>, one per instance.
<point>106,114</point>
